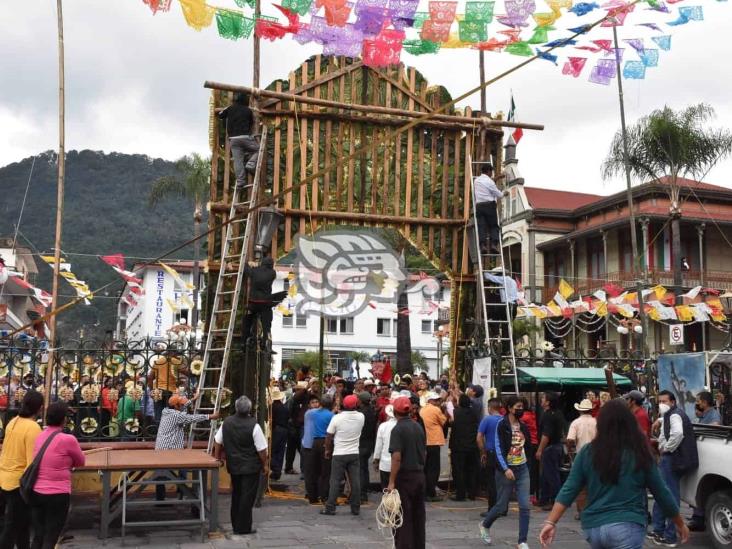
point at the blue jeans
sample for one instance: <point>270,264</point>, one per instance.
<point>505,488</point>
<point>618,535</point>
<point>661,524</point>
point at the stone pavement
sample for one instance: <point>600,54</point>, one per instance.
<point>287,520</point>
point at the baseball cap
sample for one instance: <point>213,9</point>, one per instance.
<point>635,395</point>
<point>350,402</point>
<point>364,397</point>
<point>402,405</point>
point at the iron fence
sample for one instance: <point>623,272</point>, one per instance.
<point>115,389</point>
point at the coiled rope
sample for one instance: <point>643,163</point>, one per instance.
<point>389,513</point>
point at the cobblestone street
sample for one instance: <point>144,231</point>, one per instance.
<point>287,520</point>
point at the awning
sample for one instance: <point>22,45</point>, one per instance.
<point>538,378</point>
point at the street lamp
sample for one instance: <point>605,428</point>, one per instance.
<point>269,220</point>
<point>727,296</point>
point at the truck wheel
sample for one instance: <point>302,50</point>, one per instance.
<point>719,519</point>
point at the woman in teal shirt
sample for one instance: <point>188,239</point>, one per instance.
<point>616,469</point>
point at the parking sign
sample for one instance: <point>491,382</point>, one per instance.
<point>676,334</point>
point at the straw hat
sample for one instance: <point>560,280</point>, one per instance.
<point>584,406</point>
<point>277,394</point>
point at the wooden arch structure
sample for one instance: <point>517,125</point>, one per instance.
<point>331,117</point>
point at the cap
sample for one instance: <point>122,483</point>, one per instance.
<point>177,400</point>
<point>432,396</point>
<point>635,395</point>
<point>350,402</point>
<point>584,406</point>
<point>301,385</point>
<point>364,397</point>
<point>368,382</point>
<point>402,405</point>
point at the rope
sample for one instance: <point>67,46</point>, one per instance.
<point>389,512</point>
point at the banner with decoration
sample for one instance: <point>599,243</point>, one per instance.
<point>561,32</point>
<point>81,288</point>
<point>699,305</point>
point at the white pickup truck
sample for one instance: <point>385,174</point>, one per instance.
<point>710,486</point>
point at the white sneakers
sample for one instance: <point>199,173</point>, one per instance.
<point>522,546</point>
<point>485,534</point>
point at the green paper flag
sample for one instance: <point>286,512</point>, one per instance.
<point>473,31</point>
<point>419,18</point>
<point>233,25</point>
<point>420,47</point>
<point>479,11</point>
<point>541,35</point>
<point>520,48</point>
<point>244,3</point>
<point>301,7</point>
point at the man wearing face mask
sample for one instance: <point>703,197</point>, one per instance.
<point>677,446</point>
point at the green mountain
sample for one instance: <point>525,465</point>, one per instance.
<point>105,212</point>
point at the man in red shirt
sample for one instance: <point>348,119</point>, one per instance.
<point>635,401</point>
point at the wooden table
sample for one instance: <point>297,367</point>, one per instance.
<point>142,468</point>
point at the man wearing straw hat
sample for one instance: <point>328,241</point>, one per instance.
<point>582,431</point>
<point>280,417</point>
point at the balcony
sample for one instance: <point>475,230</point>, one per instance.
<point>587,286</point>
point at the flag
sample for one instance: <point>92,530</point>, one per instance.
<point>565,289</point>
<point>117,262</point>
<point>518,133</point>
<point>41,295</point>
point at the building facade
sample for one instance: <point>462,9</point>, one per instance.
<point>372,330</point>
<point>164,303</point>
<point>585,239</point>
<point>16,302</point>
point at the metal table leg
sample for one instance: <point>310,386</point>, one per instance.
<point>104,523</point>
<point>213,516</point>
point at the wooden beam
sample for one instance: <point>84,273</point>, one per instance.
<point>374,218</point>
<point>317,82</point>
<point>484,121</point>
<point>405,90</point>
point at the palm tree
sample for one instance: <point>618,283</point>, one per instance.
<point>670,144</point>
<point>191,181</point>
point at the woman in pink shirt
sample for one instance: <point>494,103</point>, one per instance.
<point>52,491</point>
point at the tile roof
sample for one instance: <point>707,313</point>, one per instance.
<point>549,199</point>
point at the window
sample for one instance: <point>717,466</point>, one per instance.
<point>346,325</point>
<point>289,354</point>
<point>427,327</point>
<point>182,315</point>
<point>595,258</point>
<point>301,321</point>
<point>383,327</point>
<point>331,325</point>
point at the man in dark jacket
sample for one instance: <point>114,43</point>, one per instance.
<point>260,301</point>
<point>246,459</point>
<point>239,129</point>
<point>463,451</point>
<point>366,442</point>
<point>298,405</point>
<point>475,393</point>
<point>677,445</point>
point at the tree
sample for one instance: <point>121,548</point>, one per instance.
<point>191,181</point>
<point>419,361</point>
<point>670,144</point>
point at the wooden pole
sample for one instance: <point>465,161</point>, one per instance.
<point>483,101</point>
<point>255,43</point>
<point>59,202</point>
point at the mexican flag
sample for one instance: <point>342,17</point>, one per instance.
<point>518,133</point>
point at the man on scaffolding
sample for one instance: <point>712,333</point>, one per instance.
<point>486,195</point>
<point>244,146</point>
<point>260,302</point>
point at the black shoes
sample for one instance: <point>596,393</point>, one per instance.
<point>327,512</point>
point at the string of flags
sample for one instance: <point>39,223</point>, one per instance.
<point>182,290</point>
<point>117,262</point>
<point>700,304</point>
<point>378,31</point>
<point>82,290</point>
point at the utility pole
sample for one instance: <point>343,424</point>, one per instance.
<point>637,269</point>
<point>59,203</point>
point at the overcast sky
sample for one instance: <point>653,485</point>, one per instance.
<point>134,84</point>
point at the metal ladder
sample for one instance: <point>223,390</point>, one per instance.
<point>225,306</point>
<point>497,330</point>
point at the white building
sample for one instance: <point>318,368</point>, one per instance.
<point>164,303</point>
<point>15,297</point>
<point>372,330</point>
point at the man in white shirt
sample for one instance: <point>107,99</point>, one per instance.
<point>382,456</point>
<point>486,195</point>
<point>341,442</point>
